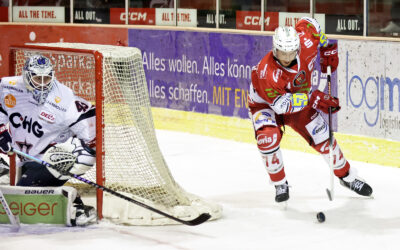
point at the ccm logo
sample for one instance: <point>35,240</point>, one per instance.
<point>328,53</point>
<point>255,20</point>
<point>134,16</point>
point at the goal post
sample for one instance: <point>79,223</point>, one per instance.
<point>128,157</point>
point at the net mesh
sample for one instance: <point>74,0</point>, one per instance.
<point>132,161</point>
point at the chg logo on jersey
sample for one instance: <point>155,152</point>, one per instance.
<point>48,117</point>
<point>10,101</point>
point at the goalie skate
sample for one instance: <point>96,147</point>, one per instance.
<point>85,215</point>
<point>4,172</point>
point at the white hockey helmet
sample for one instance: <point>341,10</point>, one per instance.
<point>38,74</point>
<point>286,40</point>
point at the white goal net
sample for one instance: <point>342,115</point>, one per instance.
<point>129,160</point>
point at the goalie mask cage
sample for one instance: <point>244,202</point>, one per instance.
<point>128,158</point>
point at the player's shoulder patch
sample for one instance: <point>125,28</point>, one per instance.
<point>314,23</point>
<point>13,84</point>
<point>82,106</point>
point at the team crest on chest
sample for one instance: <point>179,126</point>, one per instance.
<point>299,79</point>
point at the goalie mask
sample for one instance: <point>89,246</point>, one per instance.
<point>286,44</point>
<point>38,74</point>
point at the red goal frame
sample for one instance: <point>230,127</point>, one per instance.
<point>100,154</point>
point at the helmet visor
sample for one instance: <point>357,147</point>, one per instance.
<point>41,82</point>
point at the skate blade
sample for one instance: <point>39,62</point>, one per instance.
<point>283,205</point>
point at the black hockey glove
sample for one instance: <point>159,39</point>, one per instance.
<point>5,139</point>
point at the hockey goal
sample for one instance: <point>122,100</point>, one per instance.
<point>128,156</point>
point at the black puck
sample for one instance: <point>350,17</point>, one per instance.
<point>320,217</point>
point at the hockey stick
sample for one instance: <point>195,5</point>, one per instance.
<point>330,191</point>
<point>13,219</point>
<point>196,221</point>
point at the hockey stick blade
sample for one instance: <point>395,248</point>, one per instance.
<point>328,192</point>
<point>196,221</point>
<point>331,168</point>
<point>14,220</point>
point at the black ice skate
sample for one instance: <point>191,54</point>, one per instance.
<point>4,172</point>
<point>85,215</point>
<point>357,185</point>
<point>4,167</point>
<point>282,192</point>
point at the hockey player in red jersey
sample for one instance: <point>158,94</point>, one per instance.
<point>280,94</point>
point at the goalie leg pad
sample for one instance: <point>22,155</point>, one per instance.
<point>34,205</point>
<point>340,165</point>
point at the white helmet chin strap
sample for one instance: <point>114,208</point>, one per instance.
<point>39,96</point>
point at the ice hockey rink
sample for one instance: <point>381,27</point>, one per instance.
<point>231,174</point>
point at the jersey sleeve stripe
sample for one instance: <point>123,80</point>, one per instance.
<point>3,111</point>
<point>89,114</point>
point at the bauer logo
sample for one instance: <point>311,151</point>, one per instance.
<point>10,101</point>
<point>44,191</point>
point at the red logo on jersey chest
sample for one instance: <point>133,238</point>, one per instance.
<point>47,117</point>
<point>299,79</point>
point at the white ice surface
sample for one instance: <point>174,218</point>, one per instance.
<point>231,174</point>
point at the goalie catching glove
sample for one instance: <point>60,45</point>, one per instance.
<point>70,157</point>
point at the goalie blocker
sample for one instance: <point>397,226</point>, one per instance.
<point>47,205</point>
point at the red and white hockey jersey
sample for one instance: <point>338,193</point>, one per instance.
<point>274,84</point>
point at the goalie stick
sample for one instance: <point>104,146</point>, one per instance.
<point>13,219</point>
<point>196,221</point>
<point>330,191</point>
